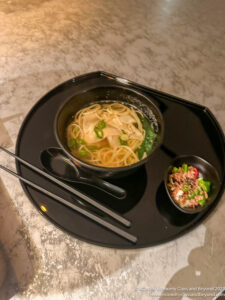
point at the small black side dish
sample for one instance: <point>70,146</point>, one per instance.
<point>206,170</point>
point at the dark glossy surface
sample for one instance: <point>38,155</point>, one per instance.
<point>206,170</point>
<point>154,218</point>
<point>56,163</point>
<point>101,93</point>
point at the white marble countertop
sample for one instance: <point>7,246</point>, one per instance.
<point>176,46</point>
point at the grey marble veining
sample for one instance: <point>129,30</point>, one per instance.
<point>176,46</point>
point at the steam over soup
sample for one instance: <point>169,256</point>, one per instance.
<point>110,135</point>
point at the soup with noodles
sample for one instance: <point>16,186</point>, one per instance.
<point>110,135</point>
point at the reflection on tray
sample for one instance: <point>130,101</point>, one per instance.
<point>134,184</point>
<point>169,211</point>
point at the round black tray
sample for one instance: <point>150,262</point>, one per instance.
<point>189,129</point>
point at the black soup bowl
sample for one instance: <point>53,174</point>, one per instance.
<point>106,94</point>
<point>206,170</point>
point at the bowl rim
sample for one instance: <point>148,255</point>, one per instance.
<point>198,209</point>
<point>109,169</point>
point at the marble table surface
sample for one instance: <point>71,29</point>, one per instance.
<point>176,46</point>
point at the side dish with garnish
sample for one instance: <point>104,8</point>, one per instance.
<point>187,188</point>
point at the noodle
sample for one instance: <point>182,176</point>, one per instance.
<point>106,135</point>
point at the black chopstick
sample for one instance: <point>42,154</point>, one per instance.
<point>82,211</point>
<point>86,198</point>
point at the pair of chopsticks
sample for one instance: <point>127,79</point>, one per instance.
<point>75,207</point>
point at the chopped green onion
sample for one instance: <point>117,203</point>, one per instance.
<point>207,185</point>
<point>99,132</point>
<point>204,185</point>
<point>122,142</point>
<point>185,189</point>
<point>184,167</point>
<point>200,179</point>
<point>72,143</point>
<point>80,141</point>
<point>175,170</point>
<point>124,137</point>
<point>101,124</point>
<point>83,152</point>
<point>98,129</point>
<point>202,202</point>
<point>191,196</point>
<point>198,192</point>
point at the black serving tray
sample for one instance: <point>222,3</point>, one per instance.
<point>190,129</point>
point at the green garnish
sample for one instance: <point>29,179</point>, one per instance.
<point>205,185</point>
<point>149,140</point>
<point>185,189</point>
<point>123,138</point>
<point>184,167</point>
<point>80,141</point>
<point>101,124</point>
<point>98,129</point>
<point>122,142</point>
<point>191,196</point>
<point>83,152</point>
<point>72,143</point>
<point>202,202</point>
<point>198,192</point>
<point>99,132</point>
<point>174,170</point>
